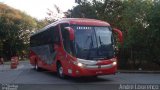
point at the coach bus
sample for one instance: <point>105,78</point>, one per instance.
<point>75,47</point>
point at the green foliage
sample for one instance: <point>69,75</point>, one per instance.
<point>84,10</point>
<point>42,23</point>
<point>15,28</point>
<point>153,32</point>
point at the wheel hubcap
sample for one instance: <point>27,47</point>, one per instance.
<point>61,71</point>
<point>36,66</point>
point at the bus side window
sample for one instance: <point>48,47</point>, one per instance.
<point>50,35</point>
<point>37,40</point>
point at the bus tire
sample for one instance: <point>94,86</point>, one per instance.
<point>60,69</point>
<point>36,67</point>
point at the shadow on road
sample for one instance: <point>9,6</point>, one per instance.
<point>77,79</point>
<point>88,79</point>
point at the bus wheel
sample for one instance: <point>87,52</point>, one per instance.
<point>36,66</point>
<point>60,71</point>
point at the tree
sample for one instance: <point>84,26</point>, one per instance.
<point>83,10</point>
<point>15,28</point>
<point>134,22</point>
<point>54,14</point>
<point>153,33</point>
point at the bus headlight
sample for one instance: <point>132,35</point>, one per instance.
<point>114,63</point>
<point>80,64</point>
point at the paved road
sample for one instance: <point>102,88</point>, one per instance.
<point>26,75</point>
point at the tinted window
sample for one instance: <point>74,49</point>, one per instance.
<point>49,36</point>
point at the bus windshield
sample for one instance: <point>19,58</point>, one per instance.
<point>93,43</point>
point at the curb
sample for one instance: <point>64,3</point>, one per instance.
<point>138,71</point>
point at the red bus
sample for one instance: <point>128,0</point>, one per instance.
<point>75,47</point>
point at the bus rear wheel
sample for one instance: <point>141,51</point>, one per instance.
<point>60,71</point>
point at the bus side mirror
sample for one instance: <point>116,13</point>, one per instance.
<point>120,35</point>
<point>71,33</point>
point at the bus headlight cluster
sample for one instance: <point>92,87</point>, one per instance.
<point>114,63</point>
<point>80,64</point>
<point>84,63</point>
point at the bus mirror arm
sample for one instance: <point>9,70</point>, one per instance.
<point>120,35</point>
<point>71,33</point>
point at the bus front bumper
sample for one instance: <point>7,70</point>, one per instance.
<point>94,70</point>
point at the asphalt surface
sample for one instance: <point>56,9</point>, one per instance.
<point>25,77</point>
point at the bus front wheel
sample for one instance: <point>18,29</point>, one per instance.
<point>60,71</point>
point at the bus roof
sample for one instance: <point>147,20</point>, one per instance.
<point>85,21</point>
<point>76,21</point>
